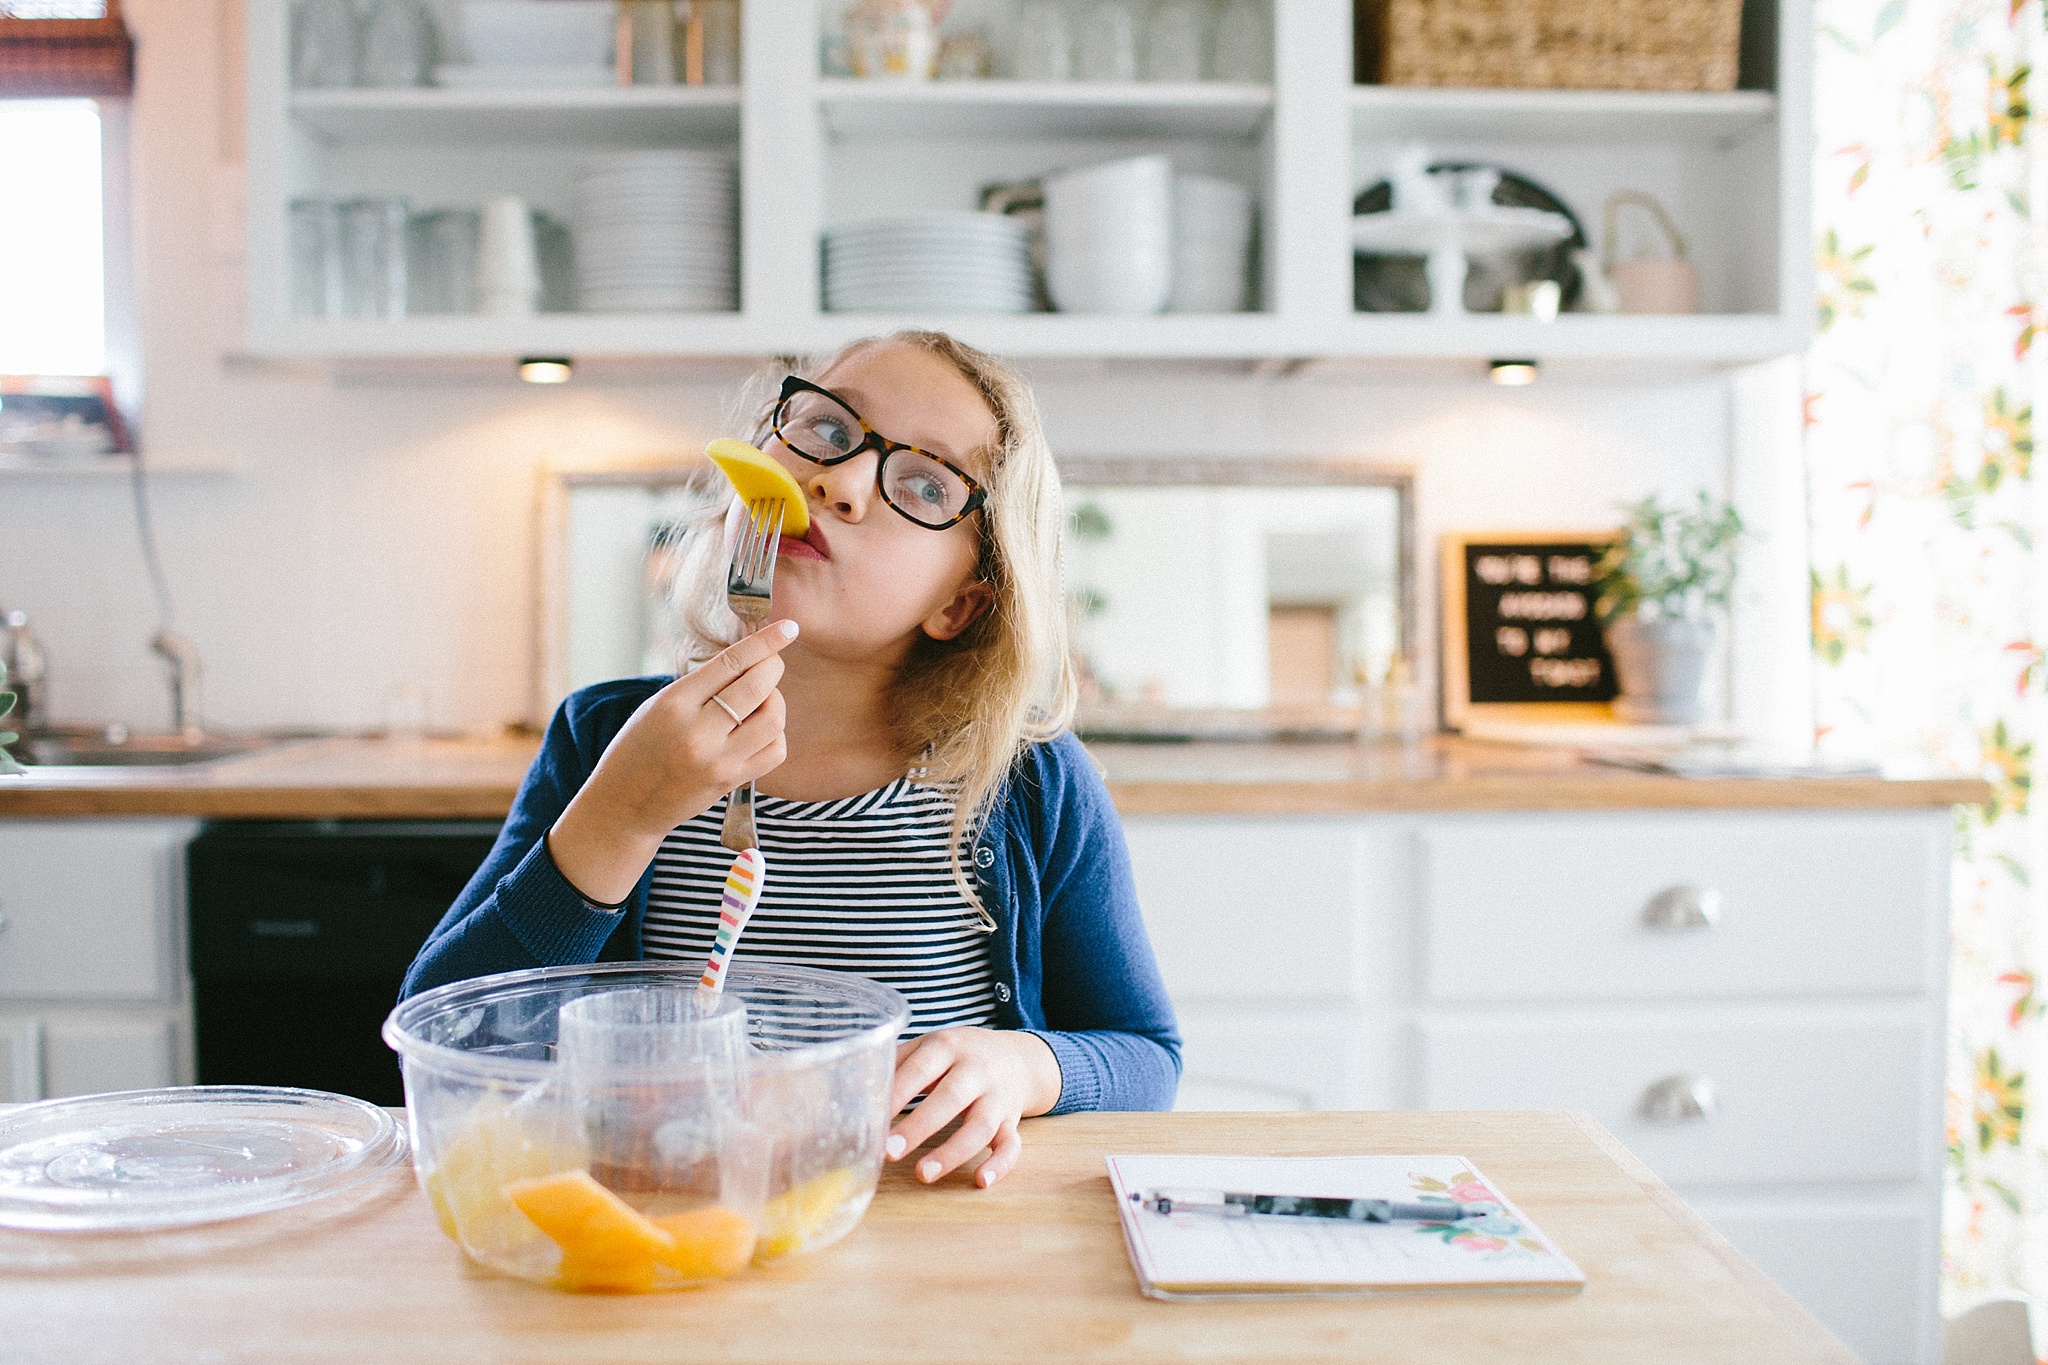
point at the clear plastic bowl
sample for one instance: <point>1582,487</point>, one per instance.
<point>791,1136</point>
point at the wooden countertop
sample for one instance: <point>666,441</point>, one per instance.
<point>370,779</point>
<point>1033,1270</point>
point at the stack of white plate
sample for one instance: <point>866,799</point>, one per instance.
<point>1212,238</point>
<point>929,263</point>
<point>657,231</point>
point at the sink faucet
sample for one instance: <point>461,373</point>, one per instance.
<point>181,657</point>
<point>28,671</point>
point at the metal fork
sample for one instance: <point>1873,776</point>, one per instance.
<point>747,587</point>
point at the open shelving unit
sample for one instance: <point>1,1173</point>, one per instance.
<point>814,150</point>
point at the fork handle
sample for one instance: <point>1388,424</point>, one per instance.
<point>737,833</point>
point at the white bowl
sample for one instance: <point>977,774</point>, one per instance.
<point>554,33</point>
<point>1126,283</point>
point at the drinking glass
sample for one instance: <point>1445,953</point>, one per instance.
<point>1173,41</point>
<point>315,258</point>
<point>373,238</point>
<point>1109,41</point>
<point>398,44</point>
<point>442,267</point>
<point>508,266</point>
<point>721,41</point>
<point>1043,46</point>
<point>325,44</point>
<point>1244,50</point>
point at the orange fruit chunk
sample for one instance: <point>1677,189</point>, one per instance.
<point>607,1244</point>
<point>755,475</point>
<point>791,1219</point>
<point>709,1242</point>
<point>495,1144</point>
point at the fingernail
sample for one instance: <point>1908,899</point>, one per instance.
<point>896,1146</point>
<point>788,629</point>
<point>928,1169</point>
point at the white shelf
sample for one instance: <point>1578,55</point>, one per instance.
<point>623,114</point>
<point>1395,113</point>
<point>857,109</point>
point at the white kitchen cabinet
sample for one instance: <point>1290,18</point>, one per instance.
<point>93,992</point>
<point>1777,1059</point>
<point>814,150</point>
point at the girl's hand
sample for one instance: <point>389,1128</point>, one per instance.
<point>988,1078</point>
<point>677,755</point>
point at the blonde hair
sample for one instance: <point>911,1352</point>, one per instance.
<point>973,704</point>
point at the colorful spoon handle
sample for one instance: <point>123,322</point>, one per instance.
<point>742,893</point>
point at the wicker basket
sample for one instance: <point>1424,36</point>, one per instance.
<point>1556,44</point>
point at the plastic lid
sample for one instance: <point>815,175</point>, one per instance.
<point>186,1155</point>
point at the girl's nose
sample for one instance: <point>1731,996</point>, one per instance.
<point>848,488</point>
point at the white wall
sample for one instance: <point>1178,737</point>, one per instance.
<point>373,535</point>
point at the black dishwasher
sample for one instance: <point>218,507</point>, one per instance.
<point>301,932</point>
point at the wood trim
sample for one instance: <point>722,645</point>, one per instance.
<point>67,58</point>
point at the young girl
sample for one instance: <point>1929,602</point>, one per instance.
<point>925,820</point>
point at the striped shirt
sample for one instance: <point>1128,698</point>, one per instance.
<point>861,884</point>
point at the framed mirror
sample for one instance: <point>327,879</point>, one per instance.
<point>1207,598</point>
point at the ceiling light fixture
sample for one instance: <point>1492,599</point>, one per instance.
<point>1513,374</point>
<point>545,369</point>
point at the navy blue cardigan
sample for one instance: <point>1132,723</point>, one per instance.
<point>1071,960</point>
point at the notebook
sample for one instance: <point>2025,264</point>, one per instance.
<point>1191,1255</point>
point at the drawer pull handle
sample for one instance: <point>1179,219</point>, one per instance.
<point>1683,910</point>
<point>1679,1099</point>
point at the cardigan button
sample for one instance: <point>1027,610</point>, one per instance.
<point>1002,992</point>
<point>984,857</point>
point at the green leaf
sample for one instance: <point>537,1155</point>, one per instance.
<point>1888,19</point>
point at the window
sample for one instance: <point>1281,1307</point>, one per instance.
<point>52,266</point>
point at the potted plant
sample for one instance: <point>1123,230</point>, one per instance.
<point>1659,585</point>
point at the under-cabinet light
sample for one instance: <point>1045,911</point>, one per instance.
<point>545,369</point>
<point>1513,374</point>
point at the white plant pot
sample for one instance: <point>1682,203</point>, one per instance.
<point>1660,665</point>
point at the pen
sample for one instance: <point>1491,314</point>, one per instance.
<point>1232,1205</point>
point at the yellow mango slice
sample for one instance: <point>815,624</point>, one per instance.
<point>496,1145</point>
<point>793,1217</point>
<point>709,1242</point>
<point>756,476</point>
<point>607,1245</point>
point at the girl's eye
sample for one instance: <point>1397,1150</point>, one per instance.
<point>830,432</point>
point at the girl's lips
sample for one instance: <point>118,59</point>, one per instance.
<point>811,546</point>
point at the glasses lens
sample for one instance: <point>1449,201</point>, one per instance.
<point>817,428</point>
<point>923,489</point>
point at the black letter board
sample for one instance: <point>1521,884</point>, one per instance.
<point>1519,634</point>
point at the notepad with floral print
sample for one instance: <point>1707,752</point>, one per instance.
<point>1189,1255</point>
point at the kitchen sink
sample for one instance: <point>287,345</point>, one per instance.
<point>115,747</point>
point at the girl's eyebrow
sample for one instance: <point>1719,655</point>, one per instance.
<point>856,400</point>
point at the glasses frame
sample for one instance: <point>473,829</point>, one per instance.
<point>977,496</point>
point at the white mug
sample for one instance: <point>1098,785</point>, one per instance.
<point>508,269</point>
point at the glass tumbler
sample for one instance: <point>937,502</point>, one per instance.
<point>1244,49</point>
<point>314,250</point>
<point>325,44</point>
<point>1109,41</point>
<point>441,270</point>
<point>398,44</point>
<point>1174,34</point>
<point>1042,45</point>
<point>373,240</point>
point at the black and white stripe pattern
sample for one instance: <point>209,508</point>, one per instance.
<point>862,884</point>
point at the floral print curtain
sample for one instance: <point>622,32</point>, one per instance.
<point>1927,529</point>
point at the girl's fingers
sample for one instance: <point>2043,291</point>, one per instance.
<point>979,1131</point>
<point>947,1101</point>
<point>1003,1154</point>
<point>743,694</point>
<point>731,663</point>
<point>924,1062</point>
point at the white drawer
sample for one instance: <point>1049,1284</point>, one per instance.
<point>1868,1272</point>
<point>86,906</point>
<point>1242,1059</point>
<point>1799,1095</point>
<point>93,1056</point>
<point>1556,907</point>
<point>1226,927</point>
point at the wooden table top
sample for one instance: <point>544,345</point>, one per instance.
<point>1033,1270</point>
<point>371,779</point>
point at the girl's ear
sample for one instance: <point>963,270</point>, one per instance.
<point>962,610</point>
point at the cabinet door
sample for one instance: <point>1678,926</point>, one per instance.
<point>1785,1096</point>
<point>86,907</point>
<point>93,1056</point>
<point>1260,1060</point>
<point>1796,904</point>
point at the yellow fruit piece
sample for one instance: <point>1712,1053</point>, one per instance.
<point>607,1244</point>
<point>497,1144</point>
<point>793,1217</point>
<point>756,476</point>
<point>709,1242</point>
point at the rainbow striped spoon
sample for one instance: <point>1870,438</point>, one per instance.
<point>742,893</point>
